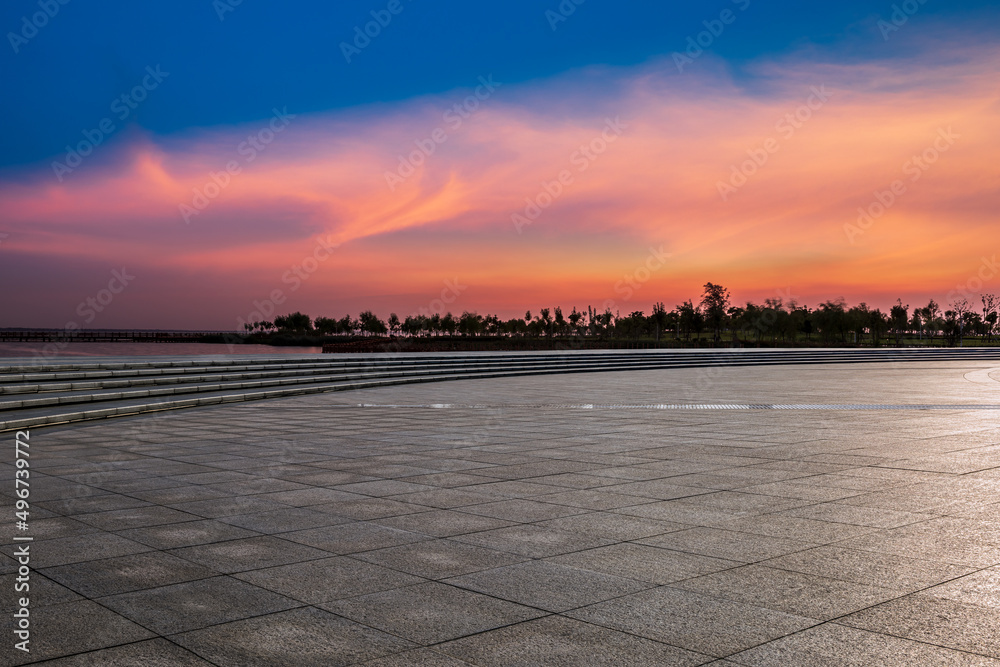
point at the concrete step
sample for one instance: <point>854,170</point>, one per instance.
<point>113,388</point>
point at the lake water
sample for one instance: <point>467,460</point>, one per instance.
<point>55,351</point>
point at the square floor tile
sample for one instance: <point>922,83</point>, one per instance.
<point>556,640</point>
<point>328,579</point>
<point>196,604</point>
<point>547,585</point>
<point>533,540</point>
<point>97,578</point>
<point>692,621</point>
<point>438,559</point>
<point>251,553</point>
<point>308,637</point>
<point>353,537</point>
<point>650,564</point>
<point>432,612</point>
<point>71,627</point>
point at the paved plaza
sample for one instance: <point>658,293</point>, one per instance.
<point>554,520</point>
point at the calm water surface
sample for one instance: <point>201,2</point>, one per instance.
<point>54,351</point>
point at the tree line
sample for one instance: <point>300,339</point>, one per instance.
<point>714,319</point>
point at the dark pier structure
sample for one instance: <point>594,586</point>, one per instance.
<point>103,336</point>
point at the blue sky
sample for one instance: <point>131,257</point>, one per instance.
<point>345,178</point>
<point>265,54</point>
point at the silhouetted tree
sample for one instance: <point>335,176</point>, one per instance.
<point>714,302</point>
<point>371,324</point>
<point>296,322</point>
<point>574,320</point>
<point>326,326</point>
<point>931,316</point>
<point>962,309</point>
<point>831,320</point>
<point>659,319</point>
<point>690,319</point>
<point>899,319</point>
<point>990,315</point>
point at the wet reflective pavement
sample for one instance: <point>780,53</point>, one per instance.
<point>548,520</point>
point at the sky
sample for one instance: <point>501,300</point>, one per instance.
<point>199,164</point>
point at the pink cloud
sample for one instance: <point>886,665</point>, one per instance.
<point>652,179</point>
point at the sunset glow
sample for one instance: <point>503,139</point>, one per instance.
<point>538,193</point>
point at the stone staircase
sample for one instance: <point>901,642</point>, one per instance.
<point>39,394</point>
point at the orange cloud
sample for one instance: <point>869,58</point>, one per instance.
<point>558,191</point>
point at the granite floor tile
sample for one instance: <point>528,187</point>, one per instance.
<point>369,508</point>
<point>196,604</point>
<point>109,576</point>
<point>446,498</point>
<point>150,653</point>
<point>354,537</point>
<point>556,640</point>
<point>533,541</point>
<point>727,544</point>
<point>548,586</point>
<point>189,533</point>
<point>790,592</point>
<point>309,637</point>
<point>692,621</point>
<point>138,517</point>
<point>79,548</point>
<point>443,523</point>
<point>42,591</point>
<point>645,563</point>
<point>610,526</point>
<point>305,497</point>
<point>100,501</point>
<point>58,526</point>
<point>424,657</point>
<point>833,645</point>
<point>284,521</point>
<point>432,612</point>
<point>523,510</point>
<point>250,553</point>
<point>934,620</point>
<point>71,627</point>
<point>508,535</point>
<point>866,567</point>
<point>980,588</point>
<point>328,579</point>
<point>439,559</point>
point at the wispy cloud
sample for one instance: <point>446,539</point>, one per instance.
<point>658,183</point>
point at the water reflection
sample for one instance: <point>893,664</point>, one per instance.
<point>49,351</point>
